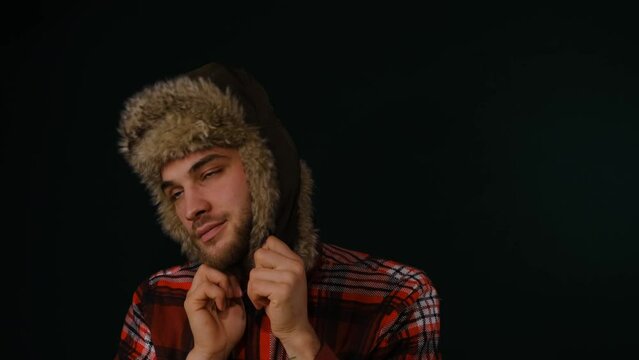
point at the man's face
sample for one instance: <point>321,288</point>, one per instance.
<point>211,196</point>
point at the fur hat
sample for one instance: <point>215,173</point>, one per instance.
<point>223,106</point>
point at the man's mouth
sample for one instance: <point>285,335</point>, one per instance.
<point>208,231</point>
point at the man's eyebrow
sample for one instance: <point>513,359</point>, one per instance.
<point>203,161</point>
<point>194,168</point>
<point>166,184</point>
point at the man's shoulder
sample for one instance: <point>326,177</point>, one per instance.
<point>165,290</point>
<point>346,266</point>
<point>337,256</point>
<point>177,277</point>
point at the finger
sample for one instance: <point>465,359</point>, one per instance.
<point>269,289</point>
<point>267,285</point>
<point>263,292</point>
<point>265,257</point>
<point>207,274</point>
<point>234,308</point>
<point>199,297</point>
<point>272,275</point>
<point>259,301</point>
<point>279,246</point>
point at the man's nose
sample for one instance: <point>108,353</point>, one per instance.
<point>196,204</point>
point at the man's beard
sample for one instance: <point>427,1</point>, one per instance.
<point>236,250</point>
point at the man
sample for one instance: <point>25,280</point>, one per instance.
<point>230,188</point>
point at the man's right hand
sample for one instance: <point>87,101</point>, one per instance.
<point>216,314</point>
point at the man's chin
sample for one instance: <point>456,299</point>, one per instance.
<point>220,263</point>
<point>224,258</point>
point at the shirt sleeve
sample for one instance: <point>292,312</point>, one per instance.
<point>412,331</point>
<point>135,337</point>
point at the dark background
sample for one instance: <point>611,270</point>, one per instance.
<point>493,147</point>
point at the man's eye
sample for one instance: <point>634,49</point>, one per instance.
<point>210,173</point>
<point>175,195</point>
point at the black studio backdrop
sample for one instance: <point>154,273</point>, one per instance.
<point>495,148</point>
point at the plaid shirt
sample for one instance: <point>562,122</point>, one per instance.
<point>360,307</point>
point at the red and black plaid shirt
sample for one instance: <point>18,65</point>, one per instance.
<point>360,307</point>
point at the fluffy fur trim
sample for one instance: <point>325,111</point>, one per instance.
<point>173,118</point>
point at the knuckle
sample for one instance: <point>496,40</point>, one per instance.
<point>298,268</point>
<point>290,278</point>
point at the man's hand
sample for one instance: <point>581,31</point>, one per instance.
<point>216,314</point>
<point>278,284</point>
